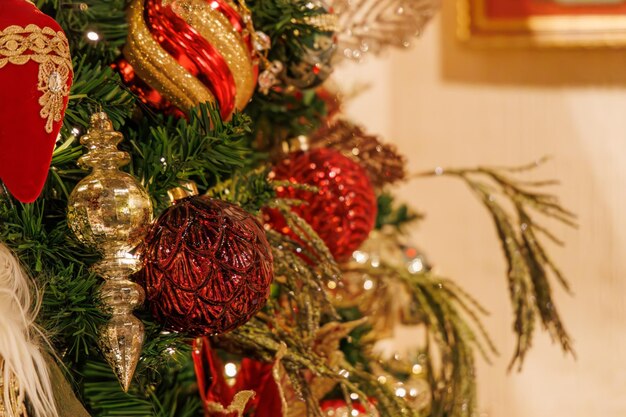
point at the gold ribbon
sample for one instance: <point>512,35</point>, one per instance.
<point>159,69</point>
<point>238,405</point>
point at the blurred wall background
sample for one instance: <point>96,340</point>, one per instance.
<point>446,104</point>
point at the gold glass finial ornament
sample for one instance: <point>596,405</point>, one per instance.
<point>110,211</point>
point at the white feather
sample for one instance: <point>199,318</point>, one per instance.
<point>18,340</point>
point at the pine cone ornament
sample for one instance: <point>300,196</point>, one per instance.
<point>382,161</point>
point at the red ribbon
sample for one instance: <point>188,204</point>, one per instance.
<point>192,52</point>
<point>252,375</point>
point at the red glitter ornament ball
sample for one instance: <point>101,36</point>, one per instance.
<point>207,267</point>
<point>342,211</point>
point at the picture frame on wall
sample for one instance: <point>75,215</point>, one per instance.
<point>543,23</point>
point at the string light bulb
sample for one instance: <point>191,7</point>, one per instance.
<point>230,369</point>
<point>93,36</point>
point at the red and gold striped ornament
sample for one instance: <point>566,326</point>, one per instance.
<point>181,53</point>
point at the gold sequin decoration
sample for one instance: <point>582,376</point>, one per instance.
<point>50,49</point>
<point>157,68</point>
<point>217,30</point>
<point>15,398</point>
<point>326,22</point>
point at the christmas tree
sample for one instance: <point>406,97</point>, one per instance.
<point>189,225</point>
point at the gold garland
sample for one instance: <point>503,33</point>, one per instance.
<point>17,400</point>
<point>19,45</point>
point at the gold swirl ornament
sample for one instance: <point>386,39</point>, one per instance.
<point>161,71</point>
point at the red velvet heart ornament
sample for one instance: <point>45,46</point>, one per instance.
<point>35,79</point>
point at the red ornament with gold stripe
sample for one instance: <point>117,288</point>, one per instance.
<point>181,53</point>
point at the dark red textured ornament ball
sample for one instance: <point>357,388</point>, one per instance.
<point>342,211</point>
<point>207,267</point>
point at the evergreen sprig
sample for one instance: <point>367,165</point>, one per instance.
<point>168,151</point>
<point>398,216</point>
<point>96,86</point>
<point>454,332</point>
<point>529,265</point>
<point>173,395</point>
<point>107,18</point>
<point>42,241</point>
<point>252,191</point>
<point>280,116</point>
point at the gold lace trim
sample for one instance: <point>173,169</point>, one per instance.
<point>51,50</point>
